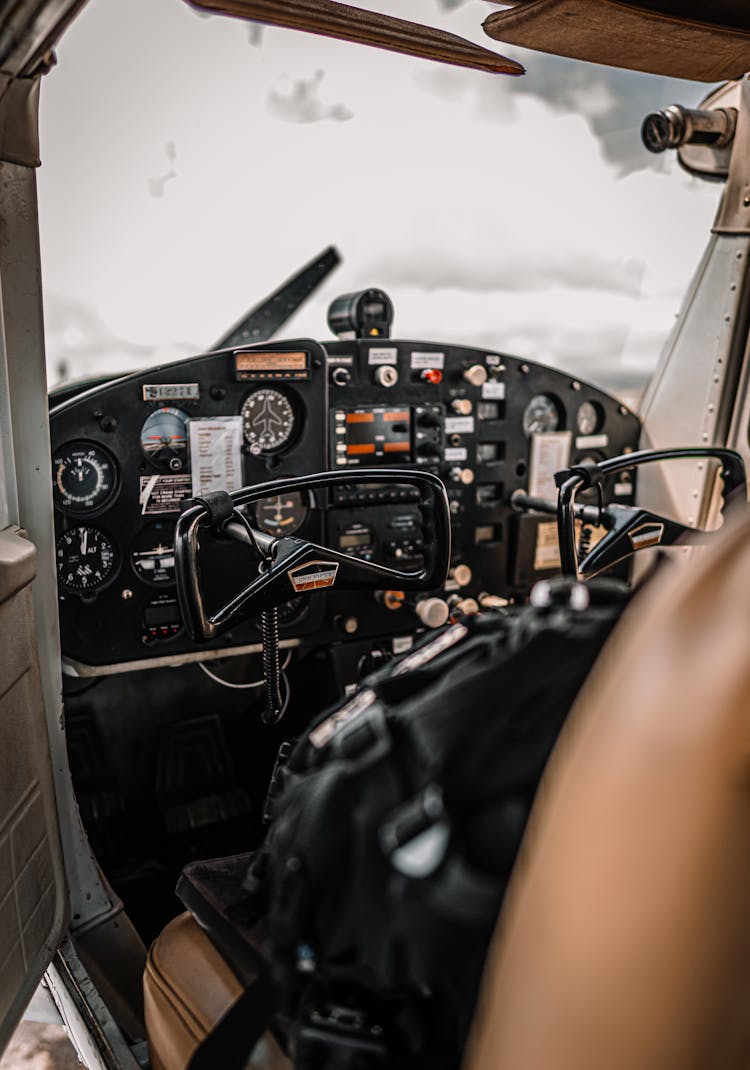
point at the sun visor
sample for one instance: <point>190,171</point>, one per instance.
<point>678,40</point>
<point>347,23</point>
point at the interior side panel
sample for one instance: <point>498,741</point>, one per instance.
<point>32,884</point>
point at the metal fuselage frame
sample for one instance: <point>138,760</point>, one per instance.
<point>700,394</point>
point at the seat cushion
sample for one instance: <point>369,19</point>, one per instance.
<point>187,989</point>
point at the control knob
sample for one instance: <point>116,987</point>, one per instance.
<point>462,406</point>
<point>433,612</point>
<point>476,375</point>
<point>340,376</point>
<point>461,575</point>
<point>462,475</point>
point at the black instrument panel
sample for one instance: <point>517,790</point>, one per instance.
<point>166,433</point>
<point>126,453</point>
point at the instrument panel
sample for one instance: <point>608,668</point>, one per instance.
<point>126,454</point>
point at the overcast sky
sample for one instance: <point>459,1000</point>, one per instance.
<point>190,164</point>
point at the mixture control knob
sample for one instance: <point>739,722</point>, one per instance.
<point>386,375</point>
<point>433,612</point>
<point>341,376</point>
<point>462,406</point>
<point>462,475</point>
<point>461,575</point>
<point>476,375</point>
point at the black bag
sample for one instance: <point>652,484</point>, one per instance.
<point>395,825</point>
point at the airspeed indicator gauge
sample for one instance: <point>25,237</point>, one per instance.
<point>86,559</point>
<point>267,420</point>
<point>541,415</point>
<point>84,477</point>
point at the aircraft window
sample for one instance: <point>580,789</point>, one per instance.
<point>435,216</point>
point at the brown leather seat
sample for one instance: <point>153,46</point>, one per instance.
<point>188,988</point>
<point>625,940</point>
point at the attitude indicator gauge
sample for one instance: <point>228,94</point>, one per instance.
<point>267,420</point>
<point>542,414</point>
<point>283,515</point>
<point>84,477</point>
<point>86,559</point>
<point>164,437</point>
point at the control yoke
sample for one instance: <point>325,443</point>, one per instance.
<point>290,566</point>
<point>628,528</point>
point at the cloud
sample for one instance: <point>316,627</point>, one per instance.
<point>439,267</point>
<point>299,102</point>
<point>156,185</point>
<point>79,343</point>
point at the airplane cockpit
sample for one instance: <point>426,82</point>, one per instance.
<point>315,644</point>
<point>363,411</point>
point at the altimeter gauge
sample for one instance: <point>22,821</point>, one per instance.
<point>84,477</point>
<point>267,420</point>
<point>86,559</point>
<point>542,414</point>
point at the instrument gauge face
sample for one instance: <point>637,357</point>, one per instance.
<point>267,420</point>
<point>164,438</point>
<point>86,559</point>
<point>84,477</point>
<point>542,414</point>
<point>152,553</point>
<point>588,418</point>
<point>283,515</point>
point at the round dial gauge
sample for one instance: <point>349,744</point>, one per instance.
<point>86,559</point>
<point>152,553</point>
<point>267,420</point>
<point>164,437</point>
<point>540,415</point>
<point>587,418</point>
<point>84,477</point>
<point>282,515</point>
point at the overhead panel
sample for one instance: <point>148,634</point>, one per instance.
<point>330,19</point>
<point>699,41</point>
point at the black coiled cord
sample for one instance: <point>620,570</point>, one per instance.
<point>584,540</point>
<point>269,630</point>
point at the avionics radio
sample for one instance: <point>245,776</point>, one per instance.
<point>388,435</point>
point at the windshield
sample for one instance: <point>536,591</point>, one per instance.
<point>191,163</point>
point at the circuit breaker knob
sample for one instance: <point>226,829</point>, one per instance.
<point>462,475</point>
<point>433,612</point>
<point>462,406</point>
<point>476,375</point>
